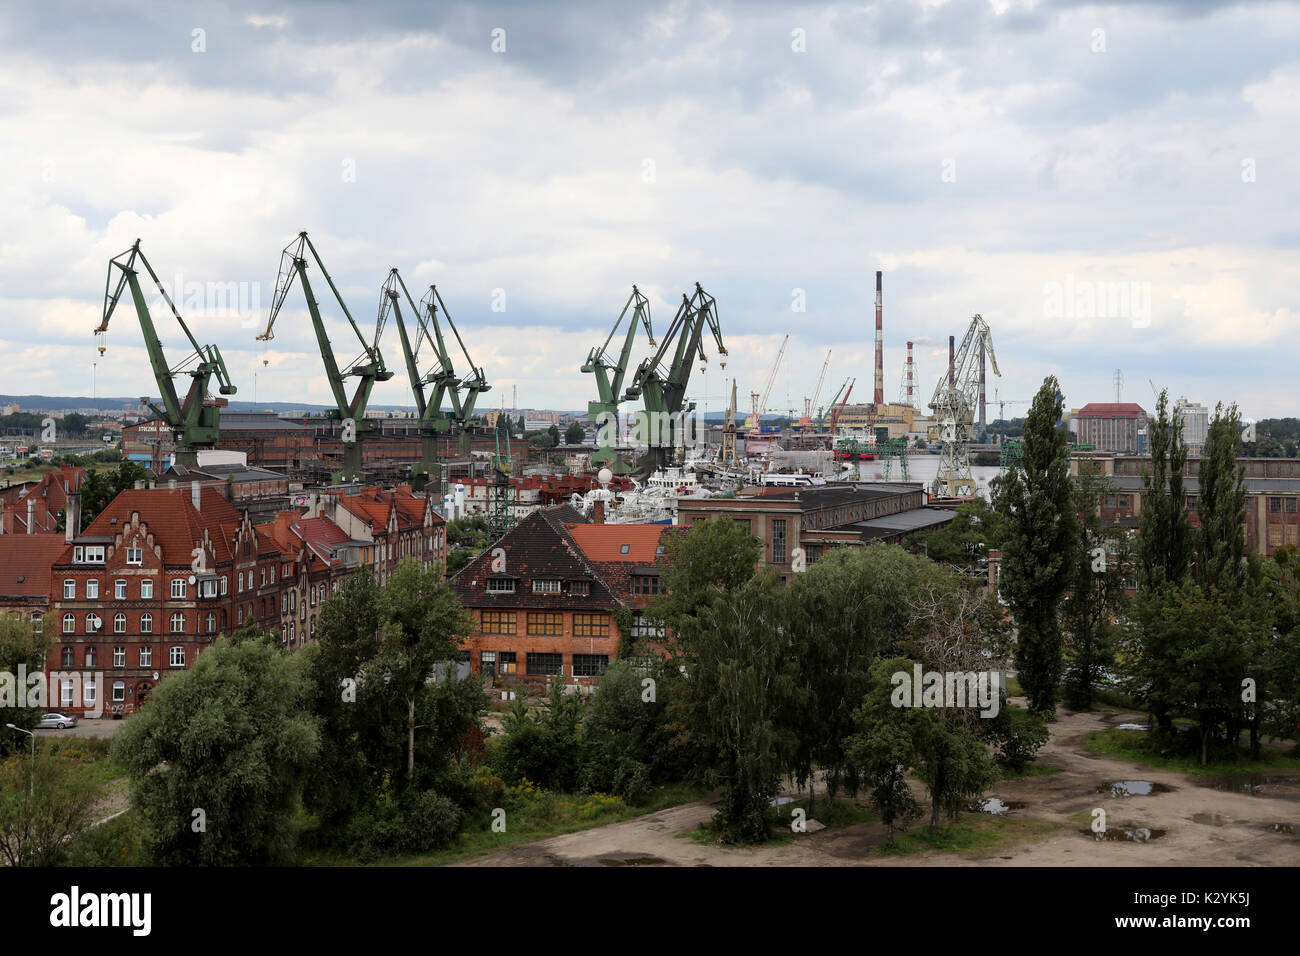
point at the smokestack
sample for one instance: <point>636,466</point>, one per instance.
<point>196,495</point>
<point>880,345</point>
<point>72,519</point>
<point>911,375</point>
<point>31,515</point>
<point>598,511</point>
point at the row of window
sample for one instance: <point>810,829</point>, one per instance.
<point>179,586</point>
<point>146,623</point>
<point>67,693</point>
<point>641,584</point>
<point>544,664</point>
<point>177,657</point>
<point>545,623</point>
<point>1277,505</point>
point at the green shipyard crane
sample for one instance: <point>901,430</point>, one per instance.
<point>195,422</point>
<point>609,373</point>
<point>368,367</point>
<point>440,382</point>
<point>663,388</point>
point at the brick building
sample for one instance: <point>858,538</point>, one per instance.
<point>33,507</point>
<point>794,522</point>
<point>1111,426</point>
<point>545,603</point>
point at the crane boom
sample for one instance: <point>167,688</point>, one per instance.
<point>368,367</point>
<point>194,421</point>
<point>609,374</point>
<point>771,378</point>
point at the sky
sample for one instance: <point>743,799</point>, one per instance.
<point>1112,187</point>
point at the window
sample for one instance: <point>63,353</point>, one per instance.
<point>508,661</point>
<point>119,590</point>
<point>546,586</point>
<point>146,589</point>
<point>544,663</point>
<point>745,523</point>
<point>88,692</point>
<point>93,623</point>
<point>497,622</point>
<point>645,584</point>
<point>92,590</point>
<point>92,657</point>
<point>78,554</point>
<point>212,623</point>
<point>135,556</point>
<point>591,625</point>
<point>178,657</point>
<point>1274,535</point>
<point>119,657</point>
<point>146,623</point>
<point>500,586</point>
<point>69,623</point>
<point>1275,505</point>
<point>65,693</point>
<point>69,589</point>
<point>95,554</point>
<point>69,659</point>
<point>1291,505</point>
<point>779,555</point>
<point>37,620</point>
<point>119,691</point>
<point>646,627</point>
<point>263,576</point>
<point>178,623</point>
<point>223,586</point>
<point>545,624</point>
<point>178,588</point>
<point>146,657</point>
<point>209,588</point>
<point>580,588</point>
<point>624,548</point>
<point>273,574</point>
<point>119,623</point>
<point>589,665</point>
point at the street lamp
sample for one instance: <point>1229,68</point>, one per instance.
<point>31,777</point>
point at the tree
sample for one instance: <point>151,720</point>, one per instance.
<point>21,650</point>
<point>963,542</point>
<point>1164,535</point>
<point>710,558</point>
<point>883,747</point>
<point>101,487</point>
<point>575,434</point>
<point>1221,506</point>
<point>37,820</point>
<point>1037,502</point>
<point>553,435</point>
<point>1097,595</point>
<point>218,759</point>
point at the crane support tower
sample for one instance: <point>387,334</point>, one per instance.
<point>195,421</point>
<point>368,367</point>
<point>609,373</point>
<point>661,381</point>
<point>956,403</point>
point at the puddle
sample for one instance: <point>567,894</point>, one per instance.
<point>995,805</point>
<point>1287,828</point>
<point>1286,786</point>
<point>1212,819</point>
<point>1133,788</point>
<point>632,861</point>
<point>1132,727</point>
<point>1125,834</point>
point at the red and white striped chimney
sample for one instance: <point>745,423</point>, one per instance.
<point>880,345</point>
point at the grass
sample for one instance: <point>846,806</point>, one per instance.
<point>1013,687</point>
<point>1141,748</point>
<point>973,834</point>
<point>530,816</point>
<point>1034,769</point>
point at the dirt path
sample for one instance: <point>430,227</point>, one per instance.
<point>1203,826</point>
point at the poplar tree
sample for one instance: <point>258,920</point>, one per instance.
<point>1037,500</point>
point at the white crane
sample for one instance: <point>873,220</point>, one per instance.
<point>760,401</point>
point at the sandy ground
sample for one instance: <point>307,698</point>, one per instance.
<point>1203,826</point>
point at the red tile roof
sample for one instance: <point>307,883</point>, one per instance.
<point>1111,410</point>
<point>605,542</point>
<point>172,519</point>
<point>25,562</point>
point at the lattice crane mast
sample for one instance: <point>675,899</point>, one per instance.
<point>609,373</point>
<point>955,403</point>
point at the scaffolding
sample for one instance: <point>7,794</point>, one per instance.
<point>890,451</point>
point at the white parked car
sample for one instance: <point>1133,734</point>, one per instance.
<point>56,721</point>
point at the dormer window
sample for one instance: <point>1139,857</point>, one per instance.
<point>501,586</point>
<point>580,588</point>
<point>546,586</point>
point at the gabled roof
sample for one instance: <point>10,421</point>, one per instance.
<point>606,542</point>
<point>172,519</point>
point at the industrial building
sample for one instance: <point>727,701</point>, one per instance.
<point>1118,427</point>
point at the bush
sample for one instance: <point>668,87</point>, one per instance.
<point>1017,736</point>
<point>122,841</point>
<point>417,824</point>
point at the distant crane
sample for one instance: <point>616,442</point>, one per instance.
<point>955,404</point>
<point>760,400</point>
<point>810,403</point>
<point>839,409</point>
<point>368,367</point>
<point>821,412</point>
<point>663,387</point>
<point>195,422</point>
<point>463,392</point>
<point>609,373</point>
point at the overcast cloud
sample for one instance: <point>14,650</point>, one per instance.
<point>977,151</point>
